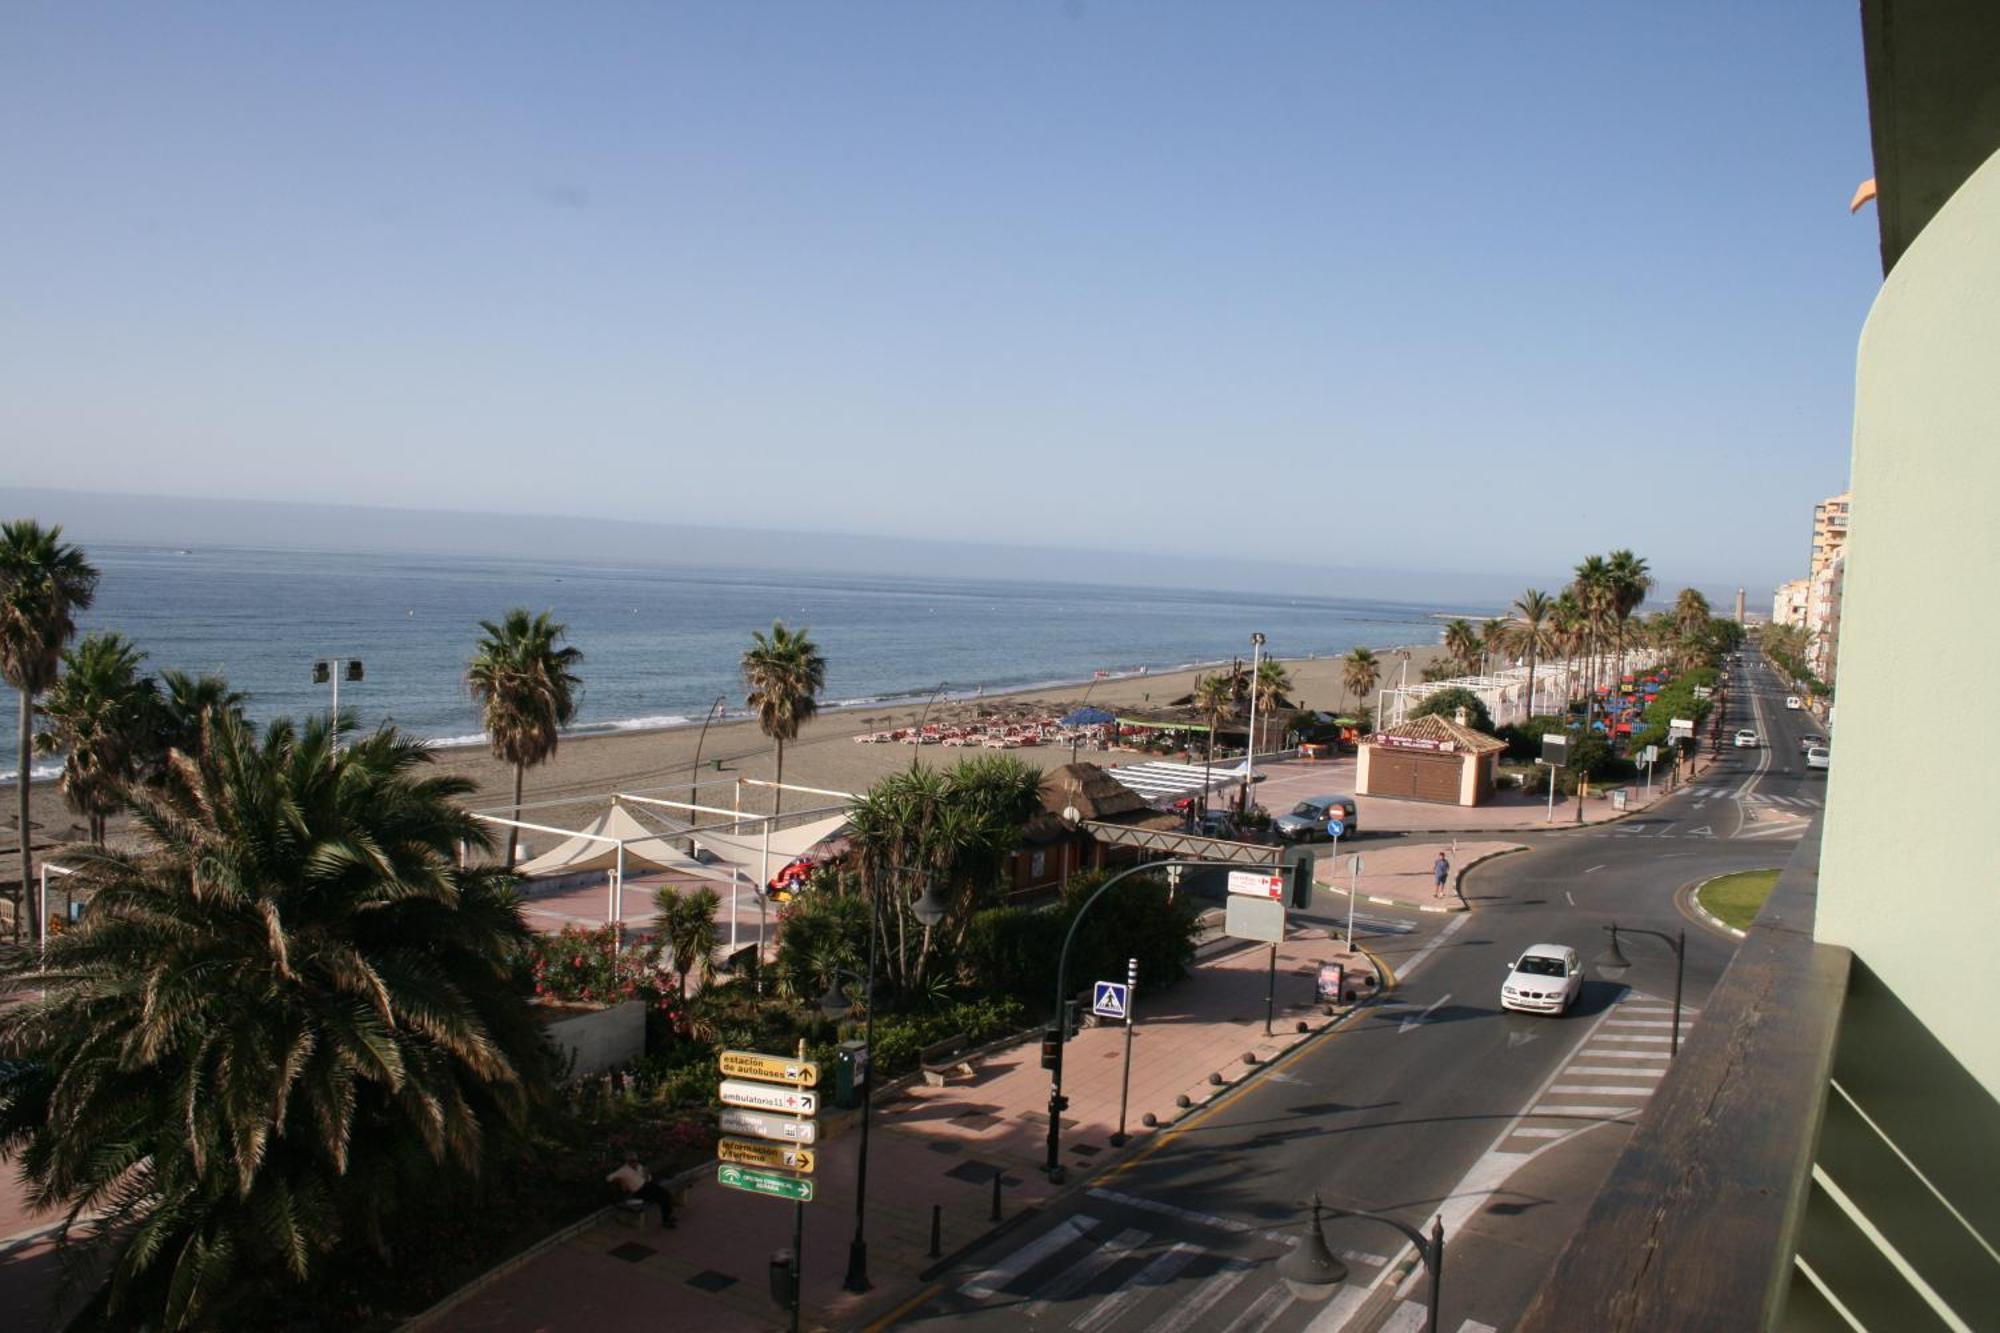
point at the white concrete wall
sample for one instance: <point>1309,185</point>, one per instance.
<point>602,1040</point>
<point>1910,869</point>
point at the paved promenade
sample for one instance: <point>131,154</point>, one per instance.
<point>942,1147</point>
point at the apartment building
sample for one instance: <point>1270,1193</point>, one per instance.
<point>1829,536</point>
<point>1788,607</point>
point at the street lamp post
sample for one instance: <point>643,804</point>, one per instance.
<point>916,751</point>
<point>1250,750</point>
<point>1613,965</point>
<point>1313,1271</point>
<point>1075,735</point>
<point>695,775</point>
<point>836,1005</point>
<point>1053,1166</point>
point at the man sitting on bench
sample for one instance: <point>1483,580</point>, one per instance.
<point>633,1180</point>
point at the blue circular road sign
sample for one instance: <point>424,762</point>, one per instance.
<point>1335,828</point>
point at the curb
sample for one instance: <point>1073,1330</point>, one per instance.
<point>1707,917</point>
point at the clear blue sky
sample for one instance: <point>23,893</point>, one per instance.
<point>1459,286</point>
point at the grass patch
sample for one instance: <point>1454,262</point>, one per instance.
<point>1736,899</point>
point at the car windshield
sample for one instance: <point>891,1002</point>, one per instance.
<point>1310,809</point>
<point>1536,966</point>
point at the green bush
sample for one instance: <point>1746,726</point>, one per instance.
<point>1524,741</point>
<point>1446,703</point>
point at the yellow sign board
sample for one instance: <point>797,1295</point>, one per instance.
<point>770,1068</point>
<point>749,1152</point>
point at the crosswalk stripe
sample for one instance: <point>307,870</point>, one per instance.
<point>1474,1326</point>
<point>1020,1261</point>
<point>1262,1312</point>
<point>1604,1090</point>
<point>1548,1109</point>
<point>1074,1278</point>
<point>1535,1132</point>
<point>1620,1036</point>
<point>1619,1053</point>
<point>1614,1069</point>
<point>1229,1224</point>
<point>1186,1314</point>
<point>1638,1022</point>
<point>1159,1273</point>
<point>1407,1317</point>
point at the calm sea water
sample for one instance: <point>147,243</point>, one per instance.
<point>660,644</point>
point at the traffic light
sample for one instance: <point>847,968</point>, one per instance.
<point>1302,882</point>
<point>322,673</point>
<point>1051,1047</point>
<point>354,669</point>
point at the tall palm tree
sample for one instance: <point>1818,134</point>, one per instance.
<point>44,583</point>
<point>525,681</point>
<point>1592,585</point>
<point>1214,698</point>
<point>288,1016</point>
<point>1630,581</point>
<point>101,715</point>
<point>1567,631</point>
<point>1359,672</point>
<point>1461,645</point>
<point>1689,618</point>
<point>189,705</point>
<point>1530,634</point>
<point>687,923</point>
<point>1492,641</point>
<point>784,674</point>
<point>1274,682</point>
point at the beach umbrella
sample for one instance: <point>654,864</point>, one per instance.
<point>1089,717</point>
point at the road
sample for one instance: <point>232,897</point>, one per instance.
<point>1433,1104</point>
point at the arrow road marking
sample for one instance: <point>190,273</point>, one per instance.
<point>1520,1039</point>
<point>1594,869</point>
<point>1572,897</point>
<point>1420,1019</point>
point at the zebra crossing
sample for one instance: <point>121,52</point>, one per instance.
<point>1124,1267</point>
<point>1608,1077</point>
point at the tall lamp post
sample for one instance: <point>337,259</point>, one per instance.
<point>695,776</point>
<point>1250,750</point>
<point>1314,1272</point>
<point>835,1004</point>
<point>1076,736</point>
<point>1613,965</point>
<point>917,750</point>
<point>1052,1039</point>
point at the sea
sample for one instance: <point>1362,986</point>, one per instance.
<point>661,645</point>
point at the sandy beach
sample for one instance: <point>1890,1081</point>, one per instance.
<point>825,755</point>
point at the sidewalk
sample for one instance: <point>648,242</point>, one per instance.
<point>935,1147</point>
<point>1402,874</point>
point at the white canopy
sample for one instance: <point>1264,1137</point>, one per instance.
<point>645,849</point>
<point>1157,781</point>
<point>786,844</point>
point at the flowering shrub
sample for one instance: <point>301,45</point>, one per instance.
<point>589,967</point>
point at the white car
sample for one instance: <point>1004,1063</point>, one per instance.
<point>1792,701</point>
<point>1746,739</point>
<point>1545,979</point>
<point>1819,757</point>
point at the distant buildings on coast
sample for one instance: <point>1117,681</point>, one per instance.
<point>1812,603</point>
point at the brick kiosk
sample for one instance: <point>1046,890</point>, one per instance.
<point>1429,759</point>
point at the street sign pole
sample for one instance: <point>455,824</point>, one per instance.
<point>798,1260</point>
<point>1125,1086</point>
<point>1353,892</point>
<point>1270,989</point>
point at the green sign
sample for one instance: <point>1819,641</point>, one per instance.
<point>775,1184</point>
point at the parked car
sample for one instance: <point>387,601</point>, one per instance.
<point>1792,701</point>
<point>1809,742</point>
<point>1819,757</point>
<point>1308,819</point>
<point>1545,979</point>
<point>1746,739</point>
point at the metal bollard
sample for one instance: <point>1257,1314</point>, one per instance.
<point>937,1230</point>
<point>996,1194</point>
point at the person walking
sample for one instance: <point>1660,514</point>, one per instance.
<point>1440,875</point>
<point>635,1183</point>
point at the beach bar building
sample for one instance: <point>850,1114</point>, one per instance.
<point>1429,759</point>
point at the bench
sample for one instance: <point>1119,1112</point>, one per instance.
<point>940,1060</point>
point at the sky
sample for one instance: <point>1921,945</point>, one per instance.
<point>1459,287</point>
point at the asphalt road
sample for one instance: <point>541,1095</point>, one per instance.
<point>1434,1103</point>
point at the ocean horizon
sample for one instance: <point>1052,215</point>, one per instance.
<point>661,644</point>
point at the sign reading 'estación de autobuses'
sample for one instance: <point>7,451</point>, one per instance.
<point>770,1068</point>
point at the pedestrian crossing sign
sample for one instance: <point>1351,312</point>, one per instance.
<point>1108,999</point>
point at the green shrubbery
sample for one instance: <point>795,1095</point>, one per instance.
<point>1446,703</point>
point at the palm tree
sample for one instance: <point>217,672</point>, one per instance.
<point>1492,641</point>
<point>1630,581</point>
<point>44,583</point>
<point>1461,645</point>
<point>1273,683</point>
<point>1531,635</point>
<point>188,706</point>
<point>784,674</point>
<point>287,1017</point>
<point>687,922</point>
<point>525,681</point>
<point>101,719</point>
<point>1359,671</point>
<point>1214,697</point>
<point>1567,631</point>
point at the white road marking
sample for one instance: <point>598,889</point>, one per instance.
<point>1474,1326</point>
<point>1159,1273</point>
<point>1263,1311</point>
<point>1599,1090</point>
<point>1456,924</point>
<point>1418,1020</point>
<point>1614,1069</point>
<point>1189,1312</point>
<point>1572,897</point>
<point>1533,1132</point>
<point>1345,1305</point>
<point>1408,1317</point>
<point>1621,1036</point>
<point>991,1281</point>
<point>1077,1275</point>
<point>1642,1022</point>
<point>1612,1053</point>
<point>1608,1112</point>
<point>1593,869</point>
<point>1234,1226</point>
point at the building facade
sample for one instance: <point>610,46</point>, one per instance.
<point>1788,607</point>
<point>1829,537</point>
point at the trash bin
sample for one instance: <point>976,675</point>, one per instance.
<point>1618,799</point>
<point>781,1278</point>
<point>850,1074</point>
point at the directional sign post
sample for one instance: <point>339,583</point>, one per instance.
<point>771,1184</point>
<point>769,1097</point>
<point>1335,828</point>
<point>1125,994</point>
<point>1247,918</point>
<point>764,1125</point>
<point>769,1068</point>
<point>1110,999</point>
<point>1257,884</point>
<point>749,1152</point>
